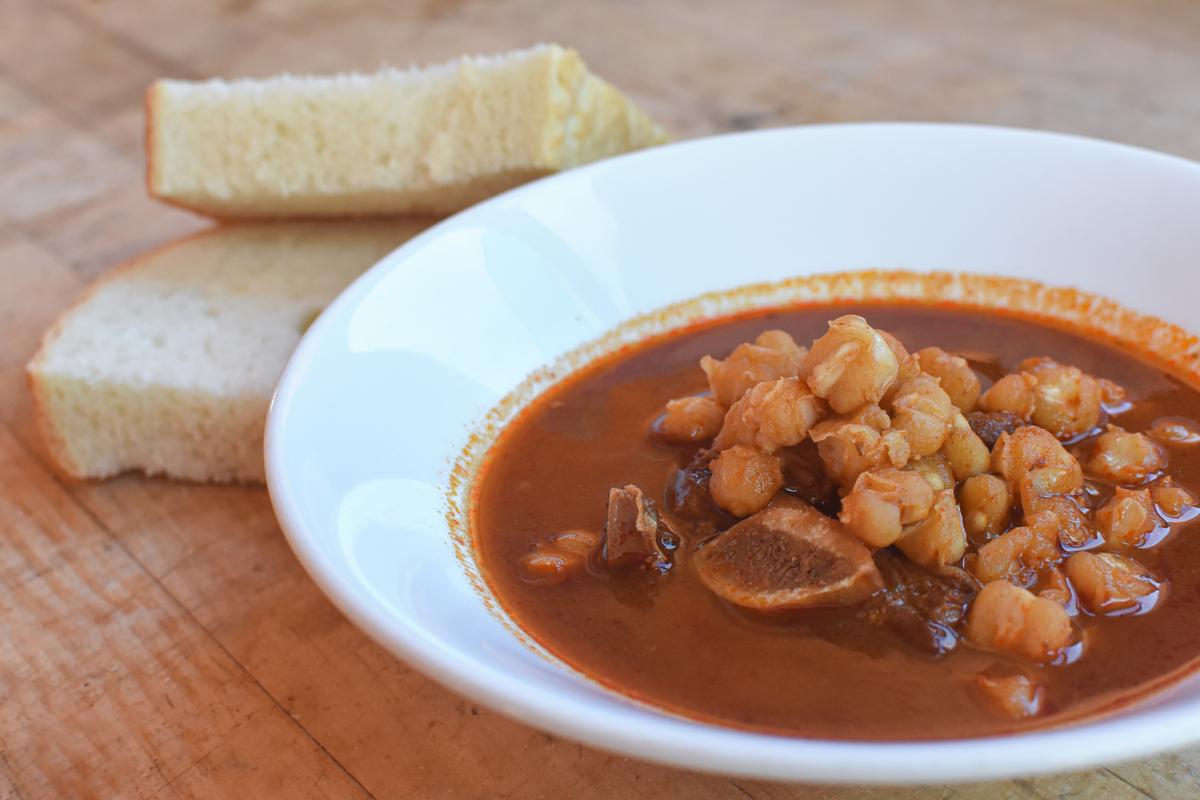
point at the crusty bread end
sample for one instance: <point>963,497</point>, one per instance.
<point>419,141</point>
<point>167,365</point>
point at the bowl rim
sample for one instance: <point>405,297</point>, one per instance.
<point>709,747</point>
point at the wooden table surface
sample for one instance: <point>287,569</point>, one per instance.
<point>159,639</point>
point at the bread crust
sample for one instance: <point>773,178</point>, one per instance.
<point>148,137</point>
<point>56,422</point>
<point>55,444</point>
<point>458,192</point>
<point>149,101</point>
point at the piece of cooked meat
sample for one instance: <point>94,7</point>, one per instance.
<point>788,556</point>
<point>631,530</point>
<point>924,608</point>
<point>988,425</point>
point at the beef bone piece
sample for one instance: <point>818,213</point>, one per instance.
<point>788,556</point>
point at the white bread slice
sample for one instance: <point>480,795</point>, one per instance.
<point>417,141</point>
<point>168,363</point>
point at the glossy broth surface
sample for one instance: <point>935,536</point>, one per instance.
<point>819,673</point>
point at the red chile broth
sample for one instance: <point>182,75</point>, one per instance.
<point>822,673</point>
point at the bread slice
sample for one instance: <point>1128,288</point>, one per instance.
<point>167,364</point>
<point>421,141</point>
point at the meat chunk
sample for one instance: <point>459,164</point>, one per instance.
<point>850,365</point>
<point>924,608</point>
<point>988,425</point>
<point>632,530</point>
<point>785,557</point>
<point>689,496</point>
<point>804,477</point>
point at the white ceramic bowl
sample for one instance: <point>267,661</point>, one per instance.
<point>387,385</point>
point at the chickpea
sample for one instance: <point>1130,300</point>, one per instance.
<point>870,415</point>
<point>1108,583</point>
<point>935,469</point>
<point>957,378</point>
<point>909,366</point>
<point>850,446</point>
<point>1179,431</point>
<point>939,539</point>
<point>1039,484</point>
<point>1014,393</point>
<point>924,412</point>
<point>1052,585</point>
<point>851,365</point>
<point>1015,556</point>
<point>773,355</point>
<point>783,342</point>
<point>1035,363</point>
<point>1013,620</point>
<point>1112,395</point>
<point>1173,501</point>
<point>544,569</point>
<point>577,543</point>
<point>558,558</point>
<point>1127,517</point>
<point>964,450</point>
<point>1062,517</point>
<point>691,419</point>
<point>882,502</point>
<point>771,415</point>
<point>744,479</point>
<point>1123,457</point>
<point>1066,400</point>
<point>1010,696</point>
<point>986,504</point>
<point>1031,449</point>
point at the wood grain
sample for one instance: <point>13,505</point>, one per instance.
<point>158,639</point>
